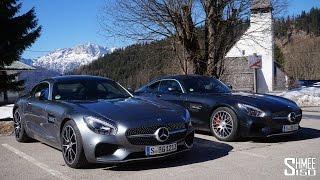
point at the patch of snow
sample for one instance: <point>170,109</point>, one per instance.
<point>308,96</point>
<point>6,111</point>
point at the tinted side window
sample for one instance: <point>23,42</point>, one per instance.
<point>68,91</point>
<point>153,88</point>
<point>168,86</point>
<point>33,91</point>
<point>43,88</point>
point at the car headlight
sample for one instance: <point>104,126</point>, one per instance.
<point>100,126</point>
<point>251,111</point>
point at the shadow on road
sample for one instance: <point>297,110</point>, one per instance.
<point>6,119</point>
<point>202,151</point>
<point>303,134</point>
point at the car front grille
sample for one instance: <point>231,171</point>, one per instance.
<point>177,132</point>
<point>284,115</point>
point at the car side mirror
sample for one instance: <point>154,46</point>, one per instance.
<point>37,95</point>
<point>130,90</point>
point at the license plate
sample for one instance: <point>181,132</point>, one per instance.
<point>288,128</point>
<point>160,149</point>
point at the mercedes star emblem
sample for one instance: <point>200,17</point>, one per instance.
<point>292,117</point>
<point>162,134</point>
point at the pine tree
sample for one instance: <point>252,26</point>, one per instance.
<point>279,57</point>
<point>17,32</point>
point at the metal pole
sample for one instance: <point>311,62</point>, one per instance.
<point>255,87</point>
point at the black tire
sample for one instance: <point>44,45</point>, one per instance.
<point>230,135</point>
<point>79,160</point>
<point>19,128</point>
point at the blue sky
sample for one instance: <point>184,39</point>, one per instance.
<point>66,23</point>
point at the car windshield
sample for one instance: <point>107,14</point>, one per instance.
<point>88,90</point>
<point>204,85</point>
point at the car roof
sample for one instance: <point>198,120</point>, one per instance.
<point>179,77</point>
<point>74,78</point>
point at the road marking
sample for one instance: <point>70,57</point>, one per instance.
<point>37,163</point>
<point>251,154</point>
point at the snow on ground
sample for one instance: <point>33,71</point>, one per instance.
<point>6,111</point>
<point>308,96</point>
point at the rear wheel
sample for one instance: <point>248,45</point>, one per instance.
<point>224,124</point>
<point>19,128</point>
<point>71,145</point>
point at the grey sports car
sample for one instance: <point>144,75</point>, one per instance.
<point>96,120</point>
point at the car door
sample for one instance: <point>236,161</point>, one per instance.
<point>54,114</point>
<point>200,110</point>
<point>35,114</point>
<point>170,90</point>
<point>199,103</point>
<point>56,110</point>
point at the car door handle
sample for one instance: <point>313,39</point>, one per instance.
<point>158,95</point>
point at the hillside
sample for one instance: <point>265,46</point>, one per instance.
<point>297,47</point>
<point>306,23</point>
<point>32,78</point>
<point>135,65</point>
<point>298,44</point>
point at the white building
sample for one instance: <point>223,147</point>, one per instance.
<point>259,39</point>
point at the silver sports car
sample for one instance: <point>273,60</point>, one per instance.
<point>96,120</point>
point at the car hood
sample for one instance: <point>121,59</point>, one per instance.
<point>135,111</point>
<point>265,102</point>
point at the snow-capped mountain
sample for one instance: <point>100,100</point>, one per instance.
<point>67,59</point>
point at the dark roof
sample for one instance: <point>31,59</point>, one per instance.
<point>75,77</point>
<point>260,4</point>
<point>179,77</point>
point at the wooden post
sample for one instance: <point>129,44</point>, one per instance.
<point>255,62</point>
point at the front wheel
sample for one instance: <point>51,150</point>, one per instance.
<point>224,124</point>
<point>71,145</point>
<point>19,128</point>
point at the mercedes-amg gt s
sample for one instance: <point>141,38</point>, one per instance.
<point>228,115</point>
<point>94,119</point>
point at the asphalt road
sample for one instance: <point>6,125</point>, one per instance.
<point>209,159</point>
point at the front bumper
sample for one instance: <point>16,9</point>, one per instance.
<point>117,149</point>
<point>265,126</point>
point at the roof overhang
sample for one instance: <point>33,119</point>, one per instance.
<point>18,66</point>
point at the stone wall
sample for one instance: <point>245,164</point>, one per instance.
<point>280,79</point>
<point>238,74</point>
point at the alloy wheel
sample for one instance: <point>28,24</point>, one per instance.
<point>222,124</point>
<point>17,124</point>
<point>69,144</point>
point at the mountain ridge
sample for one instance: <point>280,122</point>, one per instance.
<point>64,60</point>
